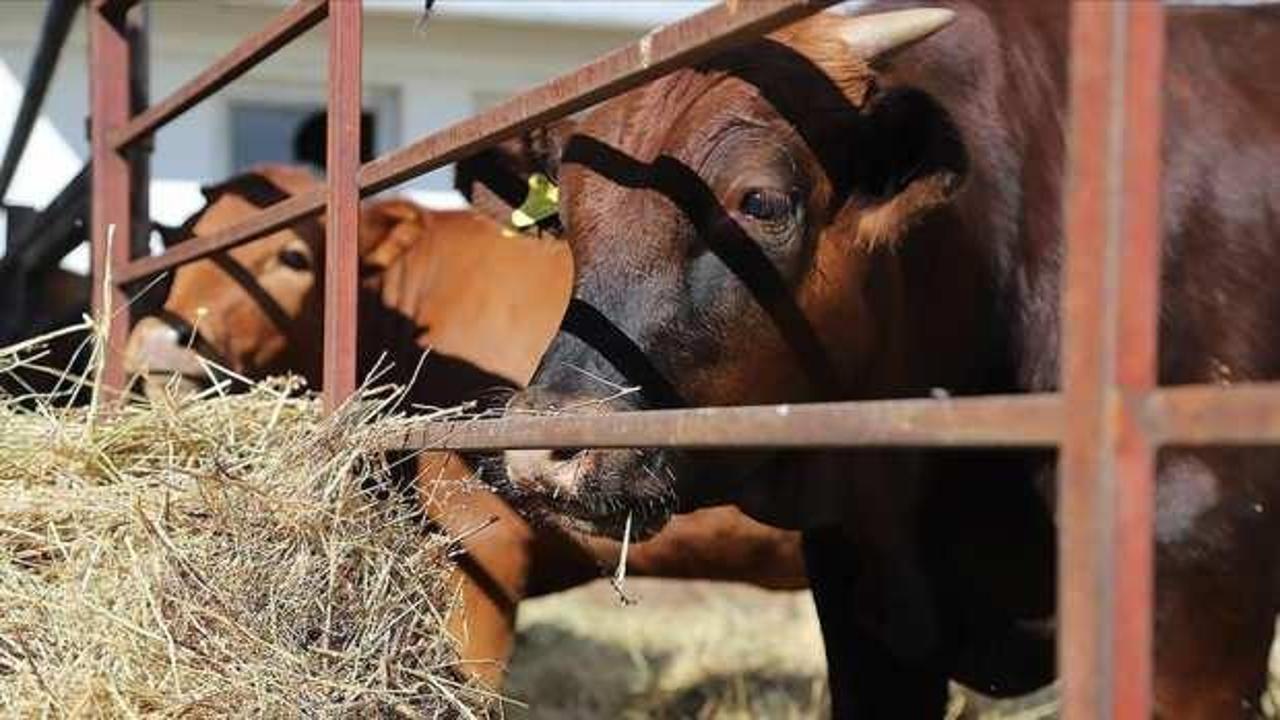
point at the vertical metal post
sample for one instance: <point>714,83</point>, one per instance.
<point>1110,314</point>
<point>139,156</point>
<point>109,77</point>
<point>343,213</point>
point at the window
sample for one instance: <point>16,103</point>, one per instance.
<point>263,133</point>
<point>286,125</point>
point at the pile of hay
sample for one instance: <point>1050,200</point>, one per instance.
<point>220,556</point>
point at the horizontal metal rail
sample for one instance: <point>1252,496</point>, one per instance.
<point>1200,415</point>
<point>679,43</point>
<point>1011,420</point>
<point>1247,414</point>
<point>289,24</point>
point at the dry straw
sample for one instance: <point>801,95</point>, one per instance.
<point>218,556</point>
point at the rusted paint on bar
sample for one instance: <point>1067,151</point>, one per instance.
<point>1138,314</point>
<point>109,73</point>
<point>1107,461</point>
<point>1084,594</point>
<point>681,42</point>
<point>656,54</point>
<point>286,26</point>
<point>341,248</point>
<point>1247,414</point>
<point>996,421</point>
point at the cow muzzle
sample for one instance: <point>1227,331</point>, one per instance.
<point>159,354</point>
<point>599,492</point>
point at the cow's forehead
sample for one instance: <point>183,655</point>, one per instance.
<point>800,82</point>
<point>682,114</point>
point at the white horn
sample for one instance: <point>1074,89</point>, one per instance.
<point>870,36</point>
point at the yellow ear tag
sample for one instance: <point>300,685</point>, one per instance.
<point>542,202</point>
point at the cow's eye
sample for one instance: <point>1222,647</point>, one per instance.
<point>295,258</point>
<point>766,205</point>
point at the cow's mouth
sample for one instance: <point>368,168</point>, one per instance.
<point>597,492</point>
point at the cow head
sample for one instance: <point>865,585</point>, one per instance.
<point>730,225</point>
<point>257,308</point>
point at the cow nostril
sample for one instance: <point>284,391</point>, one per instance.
<point>566,454</point>
<point>185,337</point>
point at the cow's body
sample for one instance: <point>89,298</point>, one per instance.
<point>786,223</point>
<point>485,302</point>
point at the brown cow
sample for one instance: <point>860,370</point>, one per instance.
<point>853,208</point>
<point>486,301</point>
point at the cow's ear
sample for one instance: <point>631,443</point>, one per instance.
<point>906,155</point>
<point>496,181</point>
<point>387,229</point>
<point>907,158</point>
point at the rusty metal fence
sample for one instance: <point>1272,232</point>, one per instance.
<point>1108,421</point>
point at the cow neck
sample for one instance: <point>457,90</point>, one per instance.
<point>988,264</point>
<point>472,295</point>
